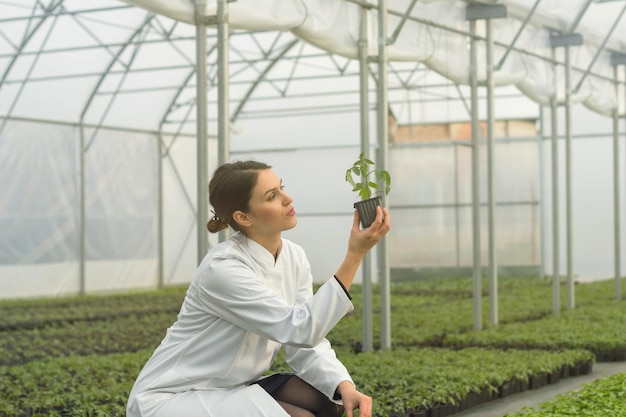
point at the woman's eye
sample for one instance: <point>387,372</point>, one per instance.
<point>272,196</point>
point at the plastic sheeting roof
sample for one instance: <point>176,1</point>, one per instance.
<point>131,64</point>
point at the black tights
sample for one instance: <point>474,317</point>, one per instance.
<point>300,399</point>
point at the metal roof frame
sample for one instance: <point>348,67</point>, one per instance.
<point>262,59</point>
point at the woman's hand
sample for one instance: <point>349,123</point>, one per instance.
<point>353,399</point>
<point>360,242</point>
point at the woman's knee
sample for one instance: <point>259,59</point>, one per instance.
<point>332,410</point>
<point>295,411</point>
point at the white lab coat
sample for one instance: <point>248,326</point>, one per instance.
<point>240,309</point>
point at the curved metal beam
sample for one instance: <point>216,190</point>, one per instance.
<point>27,38</point>
<point>600,49</point>
<point>517,35</point>
<point>245,98</point>
<point>113,61</point>
<point>32,66</point>
<point>579,17</point>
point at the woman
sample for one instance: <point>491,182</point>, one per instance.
<point>252,295</point>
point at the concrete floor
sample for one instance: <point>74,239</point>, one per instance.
<point>532,398</point>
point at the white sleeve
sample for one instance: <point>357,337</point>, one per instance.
<point>231,290</point>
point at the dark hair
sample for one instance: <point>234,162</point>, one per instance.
<point>230,190</point>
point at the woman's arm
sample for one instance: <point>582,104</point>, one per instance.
<point>232,291</point>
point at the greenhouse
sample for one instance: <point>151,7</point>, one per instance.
<point>501,122</point>
<point>100,103</point>
<point>99,125</point>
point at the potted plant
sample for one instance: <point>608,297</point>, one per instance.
<point>364,180</point>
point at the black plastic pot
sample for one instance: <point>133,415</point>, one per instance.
<point>367,210</point>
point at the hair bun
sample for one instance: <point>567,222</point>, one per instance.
<point>216,224</point>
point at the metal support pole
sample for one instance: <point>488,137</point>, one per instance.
<point>556,281</point>
<point>366,266</point>
<point>383,142</point>
<point>488,13</point>
<point>223,87</point>
<point>616,192</point>
<point>457,214</point>
<point>616,203</point>
<point>618,282</point>
<point>493,263</point>
<point>541,188</point>
<point>565,41</point>
<point>82,213</point>
<point>568,182</point>
<point>202,131</point>
<point>160,251</point>
<point>477,273</point>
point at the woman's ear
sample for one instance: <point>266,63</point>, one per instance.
<point>242,219</point>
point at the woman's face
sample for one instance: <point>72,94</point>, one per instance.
<point>271,210</point>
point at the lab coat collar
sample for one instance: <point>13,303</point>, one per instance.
<point>258,252</point>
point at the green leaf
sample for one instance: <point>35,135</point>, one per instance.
<point>349,178</point>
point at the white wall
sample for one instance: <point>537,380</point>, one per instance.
<point>39,165</point>
<point>592,196</point>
